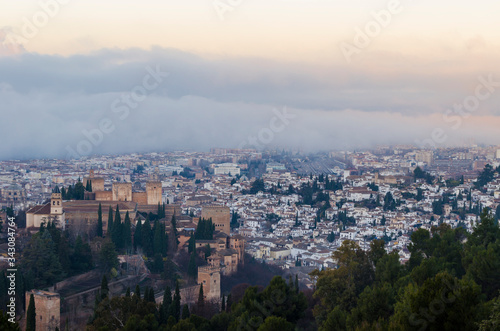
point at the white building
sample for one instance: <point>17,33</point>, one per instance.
<point>226,169</point>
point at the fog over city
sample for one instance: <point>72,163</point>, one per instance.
<point>221,101</point>
<point>347,87</point>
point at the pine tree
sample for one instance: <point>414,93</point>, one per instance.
<point>99,221</point>
<point>109,231</point>
<point>31,315</point>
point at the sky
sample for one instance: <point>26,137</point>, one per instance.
<point>85,77</point>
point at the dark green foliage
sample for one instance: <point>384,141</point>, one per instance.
<point>41,258</point>
<point>192,267</point>
<point>117,231</point>
<point>277,299</point>
<point>137,292</point>
<point>99,222</point>
<point>389,203</point>
<point>109,230</point>
<point>485,176</point>
<point>201,299</point>
<point>185,312</point>
<point>31,315</point>
<point>81,259</point>
<point>418,173</point>
<point>127,232</point>
<point>205,230</point>
<point>138,235</point>
<point>191,243</point>
<point>175,307</point>
<point>331,237</point>
<point>104,288</point>
<point>6,325</point>
<point>257,185</point>
<point>175,235</point>
<point>108,258</point>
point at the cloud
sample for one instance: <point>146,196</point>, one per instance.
<point>48,102</point>
<point>9,44</point>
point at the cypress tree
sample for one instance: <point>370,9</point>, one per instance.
<point>117,235</point>
<point>137,292</point>
<point>99,221</point>
<point>297,284</point>
<point>164,240</point>
<point>109,232</point>
<point>223,306</point>
<point>208,251</point>
<point>151,297</point>
<point>31,315</point>
<point>201,299</point>
<point>176,302</point>
<point>167,296</point>
<point>229,302</point>
<point>192,272</point>
<point>104,288</point>
<point>174,231</point>
<point>146,241</point>
<point>157,238</point>
<point>127,232</point>
<point>127,294</point>
<point>192,243</point>
<point>185,312</point>
<point>138,235</point>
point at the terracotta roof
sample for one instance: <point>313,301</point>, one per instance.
<point>40,210</point>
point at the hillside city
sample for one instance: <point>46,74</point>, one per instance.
<point>282,209</point>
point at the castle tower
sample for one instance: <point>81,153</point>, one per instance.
<point>237,242</point>
<point>210,278</point>
<point>97,183</point>
<point>122,191</point>
<point>220,215</point>
<point>153,192</point>
<point>48,309</point>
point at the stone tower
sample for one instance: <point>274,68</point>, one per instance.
<point>96,182</point>
<point>210,278</point>
<point>122,191</point>
<point>153,192</point>
<point>220,215</point>
<point>48,309</point>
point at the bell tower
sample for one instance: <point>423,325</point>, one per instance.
<point>56,204</point>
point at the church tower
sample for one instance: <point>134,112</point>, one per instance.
<point>56,204</point>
